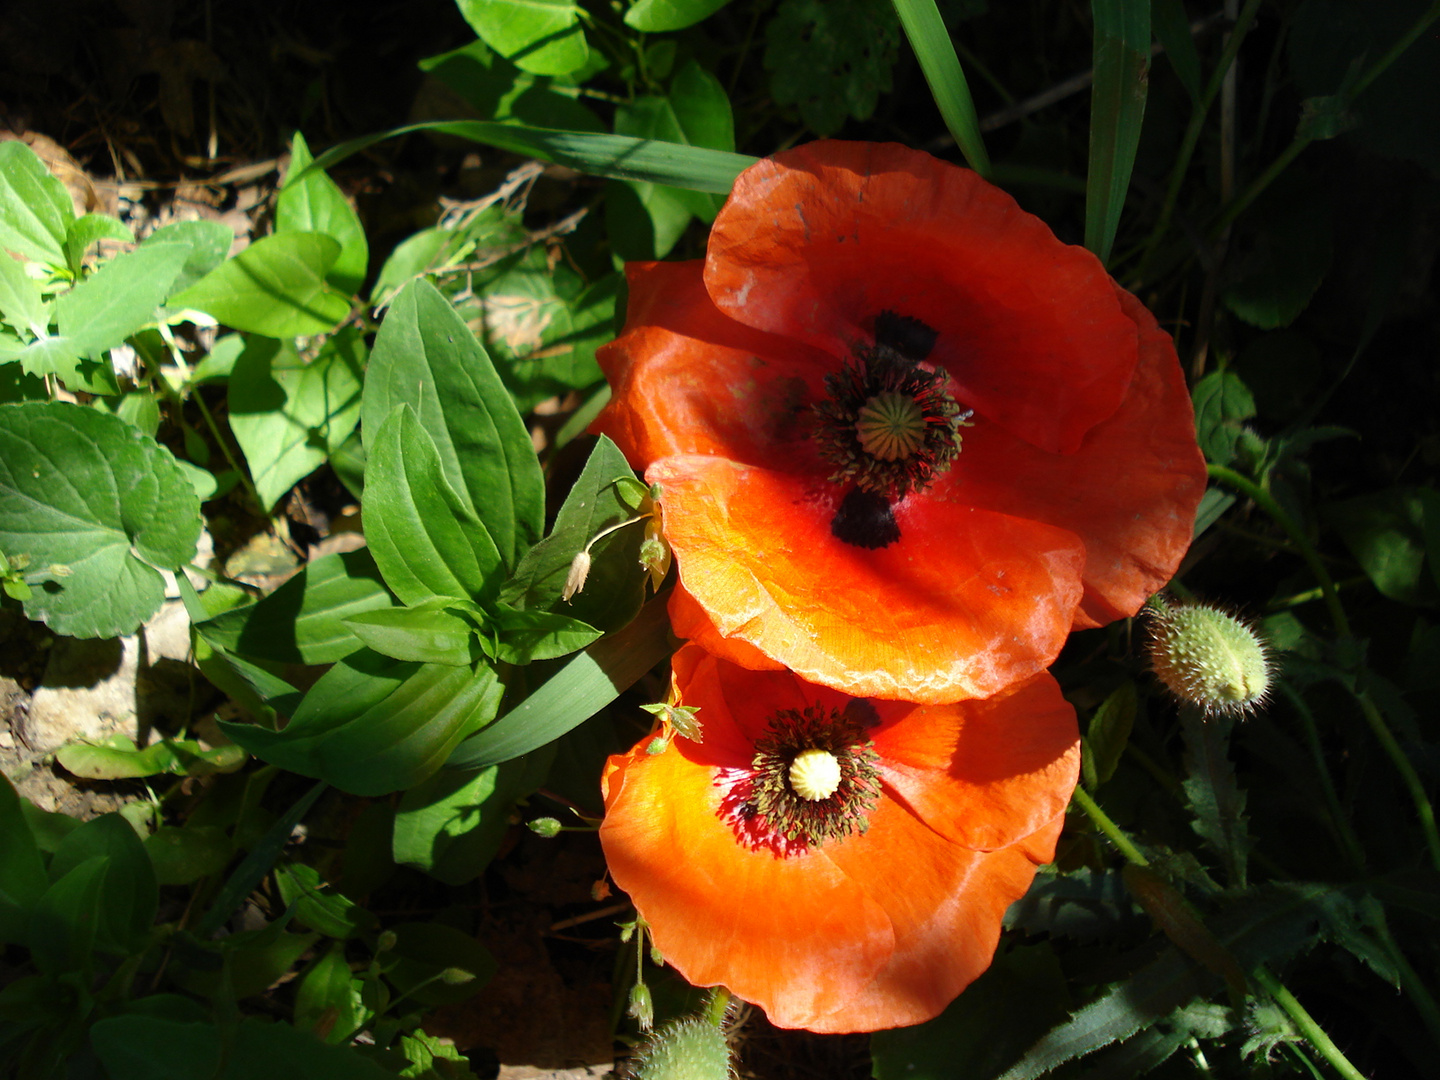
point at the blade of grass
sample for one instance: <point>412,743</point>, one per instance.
<point>618,156</point>
<point>936,53</point>
<point>1117,108</point>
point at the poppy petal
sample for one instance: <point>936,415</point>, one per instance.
<point>793,935</point>
<point>985,774</point>
<point>945,918</point>
<point>964,604</point>
<point>1136,531</point>
<point>686,379</point>
<point>814,243</point>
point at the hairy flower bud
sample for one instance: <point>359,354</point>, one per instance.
<point>688,1049</point>
<point>1208,657</point>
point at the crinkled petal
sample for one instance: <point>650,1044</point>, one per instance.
<point>1130,492</point>
<point>964,604</point>
<point>795,935</point>
<point>985,774</point>
<point>815,242</point>
<point>686,379</point>
<point>945,907</point>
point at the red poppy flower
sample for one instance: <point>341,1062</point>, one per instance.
<point>906,439</point>
<point>843,863</point>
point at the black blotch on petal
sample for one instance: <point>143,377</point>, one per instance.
<point>907,335</point>
<point>865,520</point>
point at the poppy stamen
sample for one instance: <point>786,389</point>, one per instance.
<point>888,423</point>
<point>813,779</point>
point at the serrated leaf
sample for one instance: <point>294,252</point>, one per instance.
<point>451,825</point>
<point>424,538</point>
<point>372,725</point>
<point>425,356</point>
<point>1083,904</point>
<point>659,16</point>
<point>831,58</point>
<point>1213,791</point>
<point>35,208</point>
<point>61,357</point>
<point>275,287</point>
<point>90,229</point>
<point>310,201</point>
<point>541,36</point>
<point>85,491</point>
<point>21,303</point>
<point>286,413</point>
<point>119,298</point>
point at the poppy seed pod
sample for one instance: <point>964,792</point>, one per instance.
<point>687,1049</point>
<point>1208,657</point>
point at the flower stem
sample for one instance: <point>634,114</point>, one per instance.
<point>1312,1031</point>
<point>1109,828</point>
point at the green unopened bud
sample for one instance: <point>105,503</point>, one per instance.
<point>642,1008</point>
<point>545,826</point>
<point>1208,657</point>
<point>386,941</point>
<point>688,1049</point>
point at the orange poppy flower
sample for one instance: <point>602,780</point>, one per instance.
<point>843,863</point>
<point>906,439</point>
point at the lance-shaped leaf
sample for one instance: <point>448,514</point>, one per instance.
<point>1117,107</point>
<point>426,357</point>
<point>313,203</point>
<point>425,539</point>
<point>97,507</point>
<point>372,725</point>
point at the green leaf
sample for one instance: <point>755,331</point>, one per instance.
<point>1281,253</point>
<point>541,36</point>
<point>132,895</point>
<point>832,58</point>
<point>303,621</point>
<point>616,156</point>
<point>425,540</point>
<point>579,690</point>
<point>22,873</point>
<point>1109,732</point>
<point>1387,532</point>
<point>1215,797</point>
<point>318,906</point>
<point>437,964</point>
<point>121,760</point>
<point>275,287</point>
<point>150,1048</point>
<point>659,16</point>
<point>63,923</point>
<point>1172,30</point>
<point>91,229</point>
<point>452,825</point>
<point>702,107</point>
<point>60,356</point>
<point>182,856</point>
<point>209,242</point>
<point>936,53</point>
<point>97,506</point>
<point>426,634</point>
<point>310,201</point>
<point>1022,994</point>
<point>119,298</point>
<point>329,994</point>
<point>615,587</point>
<point>425,356</point>
<point>372,725</point>
<point>35,208</point>
<point>286,414</point>
<point>246,877</point>
<point>1117,109</point>
<point>20,299</point>
<point>527,636</point>
<point>1222,405</point>
<point>498,90</point>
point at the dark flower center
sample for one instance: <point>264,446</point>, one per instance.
<point>813,779</point>
<point>888,427</point>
